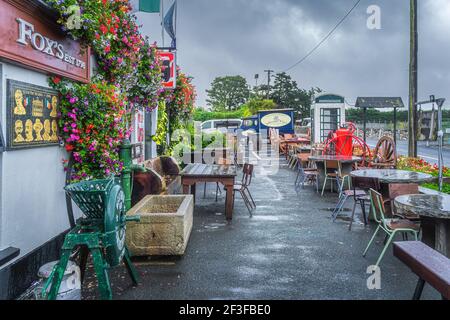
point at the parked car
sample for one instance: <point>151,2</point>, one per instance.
<point>221,125</point>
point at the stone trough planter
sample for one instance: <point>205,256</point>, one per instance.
<point>165,226</point>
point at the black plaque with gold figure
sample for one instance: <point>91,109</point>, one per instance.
<point>32,116</point>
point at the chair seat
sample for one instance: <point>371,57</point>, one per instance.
<point>357,193</point>
<point>401,224</point>
<point>332,174</point>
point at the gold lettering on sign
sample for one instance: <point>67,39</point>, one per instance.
<point>38,108</point>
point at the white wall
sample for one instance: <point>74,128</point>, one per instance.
<point>32,199</point>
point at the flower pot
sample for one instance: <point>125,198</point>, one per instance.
<point>165,226</point>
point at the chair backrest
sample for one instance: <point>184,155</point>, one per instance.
<point>224,161</point>
<point>331,166</point>
<point>366,184</point>
<point>288,136</point>
<point>247,174</point>
<point>377,204</point>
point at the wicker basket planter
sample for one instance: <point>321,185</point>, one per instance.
<point>165,226</point>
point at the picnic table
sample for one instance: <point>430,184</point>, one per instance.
<point>284,143</point>
<point>224,174</point>
<point>434,211</point>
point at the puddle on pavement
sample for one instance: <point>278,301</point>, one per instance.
<point>214,226</point>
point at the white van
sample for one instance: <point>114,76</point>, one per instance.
<point>221,125</point>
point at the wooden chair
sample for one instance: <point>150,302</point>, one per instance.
<point>305,171</point>
<point>332,172</point>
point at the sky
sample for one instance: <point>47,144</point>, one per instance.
<point>246,37</point>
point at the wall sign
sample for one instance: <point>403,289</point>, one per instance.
<point>170,69</point>
<point>276,120</point>
<point>32,113</point>
<point>30,37</point>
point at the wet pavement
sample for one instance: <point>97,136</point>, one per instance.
<point>288,249</point>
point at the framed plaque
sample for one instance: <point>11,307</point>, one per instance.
<point>32,116</point>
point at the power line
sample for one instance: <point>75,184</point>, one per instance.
<point>324,39</point>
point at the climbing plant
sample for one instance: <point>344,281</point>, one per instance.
<point>128,77</point>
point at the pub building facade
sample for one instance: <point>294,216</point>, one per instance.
<point>33,213</point>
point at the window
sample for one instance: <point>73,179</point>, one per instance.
<point>329,121</point>
<point>207,125</point>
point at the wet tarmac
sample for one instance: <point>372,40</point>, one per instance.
<point>288,249</point>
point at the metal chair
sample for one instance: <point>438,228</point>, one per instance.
<point>344,194</point>
<point>332,172</point>
<point>305,172</point>
<point>243,187</point>
<point>390,226</point>
<point>364,184</point>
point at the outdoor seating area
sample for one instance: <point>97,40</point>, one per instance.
<point>149,154</point>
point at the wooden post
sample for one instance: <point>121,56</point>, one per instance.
<point>413,123</point>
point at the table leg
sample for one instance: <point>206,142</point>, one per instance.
<point>229,203</point>
<point>428,232</point>
<point>443,237</point>
<point>193,189</point>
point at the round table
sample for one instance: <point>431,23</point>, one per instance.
<point>390,176</point>
<point>394,183</point>
<point>346,163</point>
<point>434,211</point>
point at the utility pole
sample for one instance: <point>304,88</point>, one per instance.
<point>413,66</point>
<point>269,75</point>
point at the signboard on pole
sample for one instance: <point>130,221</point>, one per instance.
<point>170,69</point>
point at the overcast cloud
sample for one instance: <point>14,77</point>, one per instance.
<point>229,37</point>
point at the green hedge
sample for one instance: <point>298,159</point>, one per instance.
<point>205,115</point>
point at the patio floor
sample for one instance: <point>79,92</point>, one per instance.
<point>289,249</point>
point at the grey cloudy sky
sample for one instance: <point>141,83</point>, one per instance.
<point>229,37</point>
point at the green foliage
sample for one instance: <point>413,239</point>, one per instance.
<point>228,93</point>
<point>254,105</point>
<point>373,115</point>
<point>287,95</point>
<point>160,138</point>
<point>435,186</point>
<point>205,115</point>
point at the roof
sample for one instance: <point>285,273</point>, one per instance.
<point>379,102</point>
<point>276,110</point>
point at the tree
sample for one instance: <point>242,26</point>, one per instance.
<point>286,94</point>
<point>254,105</point>
<point>228,93</point>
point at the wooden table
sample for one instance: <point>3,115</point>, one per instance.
<point>394,183</point>
<point>225,174</point>
<point>284,143</point>
<point>434,211</point>
<point>345,162</point>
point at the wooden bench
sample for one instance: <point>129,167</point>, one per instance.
<point>431,266</point>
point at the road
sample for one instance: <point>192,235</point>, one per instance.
<point>429,154</point>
